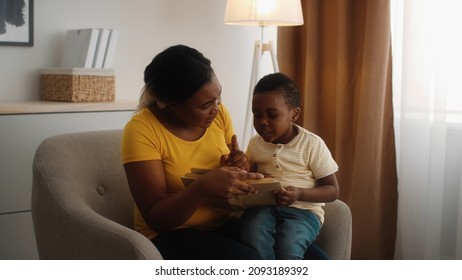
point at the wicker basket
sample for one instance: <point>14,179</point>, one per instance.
<point>77,85</point>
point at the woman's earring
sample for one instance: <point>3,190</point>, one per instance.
<point>160,105</point>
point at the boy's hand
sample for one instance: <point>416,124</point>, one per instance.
<point>286,196</point>
<point>235,157</point>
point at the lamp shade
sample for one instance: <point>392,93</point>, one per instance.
<point>264,12</point>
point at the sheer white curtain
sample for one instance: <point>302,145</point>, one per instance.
<point>427,89</point>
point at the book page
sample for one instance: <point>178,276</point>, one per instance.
<point>264,196</point>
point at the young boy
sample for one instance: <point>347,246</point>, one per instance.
<point>303,164</point>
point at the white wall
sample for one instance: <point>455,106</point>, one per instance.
<point>146,27</point>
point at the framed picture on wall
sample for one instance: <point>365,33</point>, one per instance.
<point>17,22</point>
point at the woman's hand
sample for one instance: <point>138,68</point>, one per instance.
<point>225,182</point>
<point>235,157</point>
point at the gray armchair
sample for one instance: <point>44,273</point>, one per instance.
<point>82,207</point>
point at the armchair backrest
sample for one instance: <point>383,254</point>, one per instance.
<point>79,195</point>
<point>87,171</point>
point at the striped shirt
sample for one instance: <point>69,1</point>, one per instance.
<point>298,163</point>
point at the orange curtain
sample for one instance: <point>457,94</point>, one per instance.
<point>341,60</point>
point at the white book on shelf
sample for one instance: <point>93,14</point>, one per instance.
<point>101,46</point>
<point>110,49</point>
<point>79,49</point>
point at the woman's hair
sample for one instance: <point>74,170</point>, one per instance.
<point>174,75</point>
<point>278,81</point>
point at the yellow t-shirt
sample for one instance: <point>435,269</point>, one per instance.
<point>145,138</point>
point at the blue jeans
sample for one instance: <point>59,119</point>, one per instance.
<point>282,233</point>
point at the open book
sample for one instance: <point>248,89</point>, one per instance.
<point>263,197</point>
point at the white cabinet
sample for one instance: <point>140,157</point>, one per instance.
<point>20,135</point>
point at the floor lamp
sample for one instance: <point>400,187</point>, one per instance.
<point>261,13</point>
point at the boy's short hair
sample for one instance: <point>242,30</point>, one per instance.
<point>279,81</point>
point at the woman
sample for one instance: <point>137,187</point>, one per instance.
<point>181,124</point>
